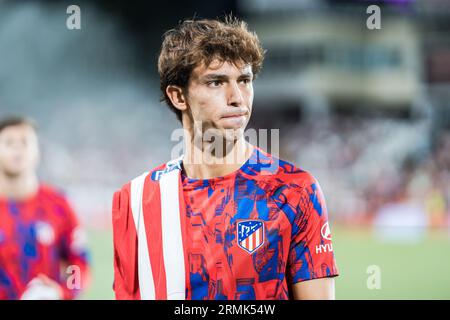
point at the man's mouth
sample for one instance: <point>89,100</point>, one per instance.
<point>234,115</point>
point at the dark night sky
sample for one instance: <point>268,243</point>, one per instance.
<point>148,20</point>
<point>145,22</point>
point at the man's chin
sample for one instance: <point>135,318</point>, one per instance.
<point>234,122</point>
<point>232,134</point>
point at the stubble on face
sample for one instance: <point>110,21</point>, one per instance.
<point>220,98</point>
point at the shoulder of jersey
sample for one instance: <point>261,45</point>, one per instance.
<point>52,192</point>
<point>288,172</point>
<point>146,173</point>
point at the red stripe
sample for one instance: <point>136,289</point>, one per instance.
<point>151,204</point>
<point>125,242</point>
<point>132,243</point>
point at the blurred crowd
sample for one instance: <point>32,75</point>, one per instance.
<point>368,165</point>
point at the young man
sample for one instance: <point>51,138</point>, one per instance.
<point>255,228</point>
<point>41,243</point>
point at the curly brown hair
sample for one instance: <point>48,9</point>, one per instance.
<point>194,42</point>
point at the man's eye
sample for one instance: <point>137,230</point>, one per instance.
<point>246,80</point>
<point>215,83</point>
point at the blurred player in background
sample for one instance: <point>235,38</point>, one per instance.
<point>255,227</point>
<point>42,247</point>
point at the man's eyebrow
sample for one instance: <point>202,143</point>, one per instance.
<point>215,76</point>
<point>246,74</point>
<point>220,76</point>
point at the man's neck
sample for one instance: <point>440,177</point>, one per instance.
<point>18,187</point>
<point>205,162</point>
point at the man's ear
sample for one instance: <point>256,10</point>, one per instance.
<point>177,97</point>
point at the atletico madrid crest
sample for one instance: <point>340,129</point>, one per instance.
<point>250,234</point>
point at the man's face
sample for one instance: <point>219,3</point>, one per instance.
<point>220,97</point>
<point>19,150</point>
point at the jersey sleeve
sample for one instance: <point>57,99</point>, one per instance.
<point>311,253</point>
<point>75,256</point>
<point>125,247</point>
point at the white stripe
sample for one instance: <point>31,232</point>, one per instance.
<point>257,237</point>
<point>250,242</point>
<point>171,235</point>
<point>146,283</point>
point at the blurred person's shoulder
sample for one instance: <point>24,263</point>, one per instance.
<point>53,193</point>
<point>59,210</point>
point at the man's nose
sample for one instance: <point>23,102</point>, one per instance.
<point>235,95</point>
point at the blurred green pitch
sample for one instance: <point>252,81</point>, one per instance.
<point>408,271</point>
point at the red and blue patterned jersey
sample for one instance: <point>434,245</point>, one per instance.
<point>40,235</point>
<point>251,234</point>
<point>255,232</point>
